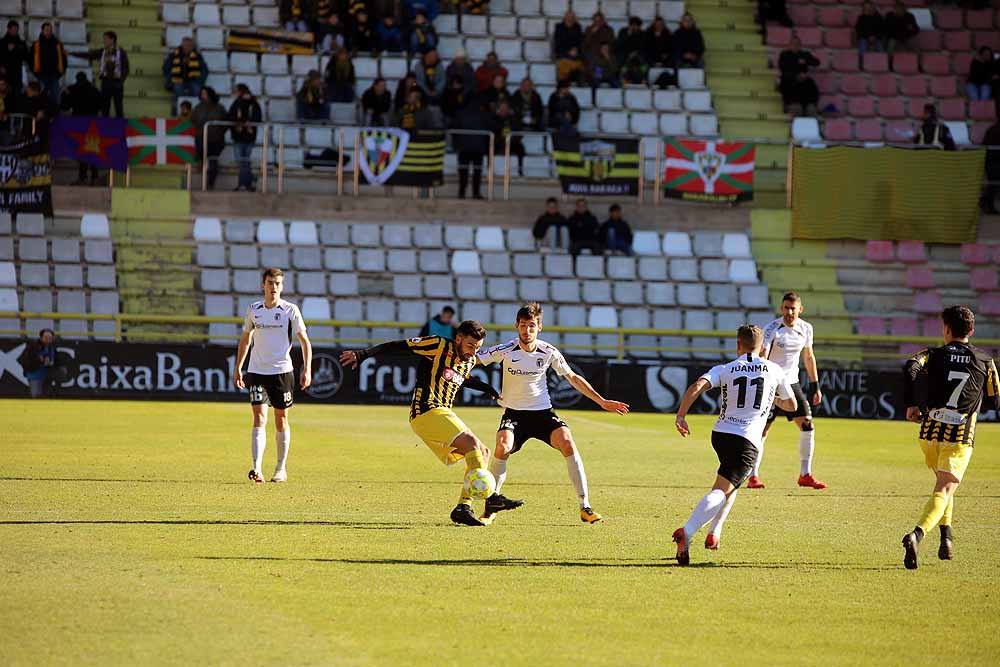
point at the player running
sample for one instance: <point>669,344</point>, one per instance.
<point>943,391</point>
<point>269,325</point>
<point>749,385</point>
<point>444,367</point>
<point>528,409</point>
<point>785,340</point>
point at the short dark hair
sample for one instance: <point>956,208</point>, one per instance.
<point>529,311</point>
<point>750,336</point>
<point>271,272</point>
<point>448,309</point>
<point>472,328</point>
<point>960,319</point>
<point>791,296</point>
<point>613,208</point>
<point>112,34</point>
<point>551,200</point>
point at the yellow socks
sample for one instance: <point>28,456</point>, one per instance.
<point>946,517</point>
<point>934,510</point>
<point>473,460</point>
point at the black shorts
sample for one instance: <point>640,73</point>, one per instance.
<point>736,456</point>
<point>804,409</point>
<point>528,424</point>
<point>273,390</point>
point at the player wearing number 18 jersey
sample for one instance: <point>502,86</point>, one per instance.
<point>749,386</point>
<point>944,389</point>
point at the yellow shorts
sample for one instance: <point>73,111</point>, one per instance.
<point>947,456</point>
<point>438,428</point>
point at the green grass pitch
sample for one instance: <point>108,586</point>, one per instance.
<point>129,535</point>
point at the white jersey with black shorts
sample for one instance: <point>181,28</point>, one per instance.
<point>783,345</point>
<point>748,386</point>
<point>270,378</point>
<point>527,406</point>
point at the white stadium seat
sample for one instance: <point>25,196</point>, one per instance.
<point>647,243</point>
<point>210,38</point>
<point>243,63</point>
<point>489,238</point>
<point>667,100</point>
<point>614,122</point>
<point>608,98</point>
<point>736,245</point>
<point>473,24</point>
<point>644,123</point>
<point>303,232</point>
<point>537,51</point>
<point>704,125</point>
<point>459,237</point>
<point>236,15</point>
<point>177,13</point>
<point>92,226</point>
<point>465,262</point>
<point>743,271</point>
<point>677,244</point>
<point>272,232</point>
<point>671,10</point>
<point>273,63</point>
<point>501,26</point>
<point>673,124</point>
<point>697,100</point>
<point>69,9</point>
<point>206,14</point>
<point>691,77</point>
<point>805,130</point>
<point>638,99</point>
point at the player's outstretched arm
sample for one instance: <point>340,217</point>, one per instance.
<point>305,378</point>
<point>241,357</point>
<point>351,358</point>
<point>482,387</point>
<point>700,386</point>
<point>581,384</point>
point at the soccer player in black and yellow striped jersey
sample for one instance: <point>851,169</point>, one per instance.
<point>445,365</point>
<point>944,389</point>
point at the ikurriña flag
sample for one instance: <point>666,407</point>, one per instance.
<point>597,166</point>
<point>160,141</point>
<point>710,171</point>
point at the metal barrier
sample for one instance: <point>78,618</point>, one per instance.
<point>228,123</point>
<point>336,130</point>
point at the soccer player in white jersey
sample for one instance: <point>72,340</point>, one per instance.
<point>528,409</point>
<point>270,325</point>
<point>749,384</point>
<point>785,340</point>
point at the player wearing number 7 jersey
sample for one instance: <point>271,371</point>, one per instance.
<point>749,386</point>
<point>944,390</point>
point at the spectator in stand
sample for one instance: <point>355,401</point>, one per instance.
<point>431,77</point>
<point>868,29</point>
<point>602,70</point>
<point>330,33</point>
<point>571,68</point>
<point>13,56</point>
<point>406,84</point>
<point>48,62</point>
<point>527,104</point>
<point>423,36</point>
<point>992,189</point>
<point>209,109</point>
<point>414,115</point>
<point>112,70</point>
<point>616,233</point>
<point>362,36</point>
<point>8,104</point>
<point>431,9</point>
<point>340,78</point>
<point>551,219</point>
<point>376,103</point>
<point>773,10</point>
<point>461,68</point>
<point>475,6</point>
<point>983,70</point>
<point>38,105</point>
<point>689,46</point>
<point>442,324</point>
<point>797,87</point>
<point>82,99</point>
<point>568,35</point>
<point>471,148</point>
<point>634,72</point>
<point>39,359</point>
<point>184,70</point>
<point>293,15</point>
<point>630,40</point>
<point>505,123</point>
<point>388,36</point>
<point>311,102</point>
<point>933,132</point>
<point>584,232</point>
<point>564,110</point>
<point>245,114</point>
<point>597,34</point>
<point>184,110</point>
<point>454,99</point>
<point>496,93</point>
<point>900,27</point>
<point>487,71</point>
<point>657,44</point>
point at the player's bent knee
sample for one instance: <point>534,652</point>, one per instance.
<point>808,425</point>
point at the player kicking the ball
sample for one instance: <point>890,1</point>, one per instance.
<point>528,409</point>
<point>748,385</point>
<point>944,388</point>
<point>269,326</point>
<point>785,340</point>
<point>444,367</point>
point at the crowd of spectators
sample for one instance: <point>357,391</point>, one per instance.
<point>614,235</point>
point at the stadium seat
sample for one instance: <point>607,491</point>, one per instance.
<point>899,131</point>
<point>985,110</point>
<point>370,260</point>
<point>644,123</point>
<point>875,62</point>
<point>870,326</point>
<point>346,284</point>
<point>529,266</point>
<point>470,287</point>
<point>736,245</point>
<point>778,36</point>
<point>459,237</point>
<point>92,226</point>
<point>904,326</point>
<point>684,269</point>
<point>465,262</point>
<point>365,235</point>
<point>413,311</point>
<point>919,277</point>
<point>692,294</point>
<point>959,133</point>
<point>714,270</point>
<point>989,304</point>
<point>861,107</point>
<point>935,63</point>
<point>911,252</point>
<point>667,100</point>
<point>243,256</point>
<point>66,250</point>
<point>240,231</point>
<point>892,108</point>
<point>805,129</point>
<point>673,124</point>
<point>844,61</point>
<point>338,259</point>
<point>489,238</point>
<point>401,261</point>
<point>884,85</point>
<point>724,296</point>
<point>533,289</point>
<point>33,249</point>
<point>708,244</point>
<point>497,264</point>
<point>647,243</point>
<point>556,266</point>
<point>215,280</point>
<point>869,130</point>
<point>677,244</point>
<point>975,253</point>
<point>520,240</point>
<point>927,302</point>
<point>590,266</point>
<point>983,279</point>
<point>596,291</point>
<point>306,257</point>
<point>837,129</point>
<point>396,236</point>
<point>211,254</point>
<point>433,261</point>
<point>754,296</point>
<point>880,251</point>
<point>565,291</point>
<point>627,292</point>
<point>704,125</point>
<point>621,268</point>
<point>271,232</point>
<point>310,282</point>
<point>743,271</point>
<point>660,294</point>
<point>245,281</point>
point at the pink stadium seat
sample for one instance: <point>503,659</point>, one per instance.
<point>837,129</point>
<point>825,2</point>
<point>854,2</point>
<point>845,61</point>
<point>930,327</point>
<point>891,107</point>
<point>831,17</point>
<point>958,40</point>
<point>839,102</point>
<point>935,63</point>
<point>880,251</point>
<point>823,56</point>
<point>948,19</point>
<point>982,110</point>
<point>989,304</point>
<point>911,252</point>
<point>916,107</point>
<point>952,108</point>
<point>909,349</point>
<point>854,84</point>
<point>961,62</point>
<point>778,35</point>
<point>871,326</point>
<point>983,279</point>
<point>803,16</point>
<point>905,63</point>
<point>913,86</point>
<point>979,19</point>
<point>811,37</point>
<point>899,131</point>
<point>919,277</point>
<point>884,85</point>
<point>826,83</point>
<point>838,38</point>
<point>978,132</point>
<point>927,303</point>
<point>869,129</point>
<point>944,86</point>
<point>928,40</point>
<point>861,106</point>
<point>876,62</point>
<point>975,253</point>
<point>904,326</point>
<point>987,38</point>
<point>996,254</point>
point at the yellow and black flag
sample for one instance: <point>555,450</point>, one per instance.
<point>391,156</point>
<point>26,177</point>
<point>597,166</point>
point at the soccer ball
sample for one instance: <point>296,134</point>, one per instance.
<point>479,483</point>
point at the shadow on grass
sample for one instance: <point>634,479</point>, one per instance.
<point>357,525</point>
<point>119,481</point>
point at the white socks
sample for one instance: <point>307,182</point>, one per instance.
<point>284,439</point>
<point>579,478</point>
<point>703,512</point>
<point>498,468</point>
<point>722,515</point>
<point>760,458</point>
<point>807,442</point>
<point>258,441</point>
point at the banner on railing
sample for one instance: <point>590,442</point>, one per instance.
<point>26,177</point>
<point>709,171</point>
<point>392,156</point>
<point>99,142</point>
<point>597,166</point>
<point>257,40</point>
<point>160,141</point>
